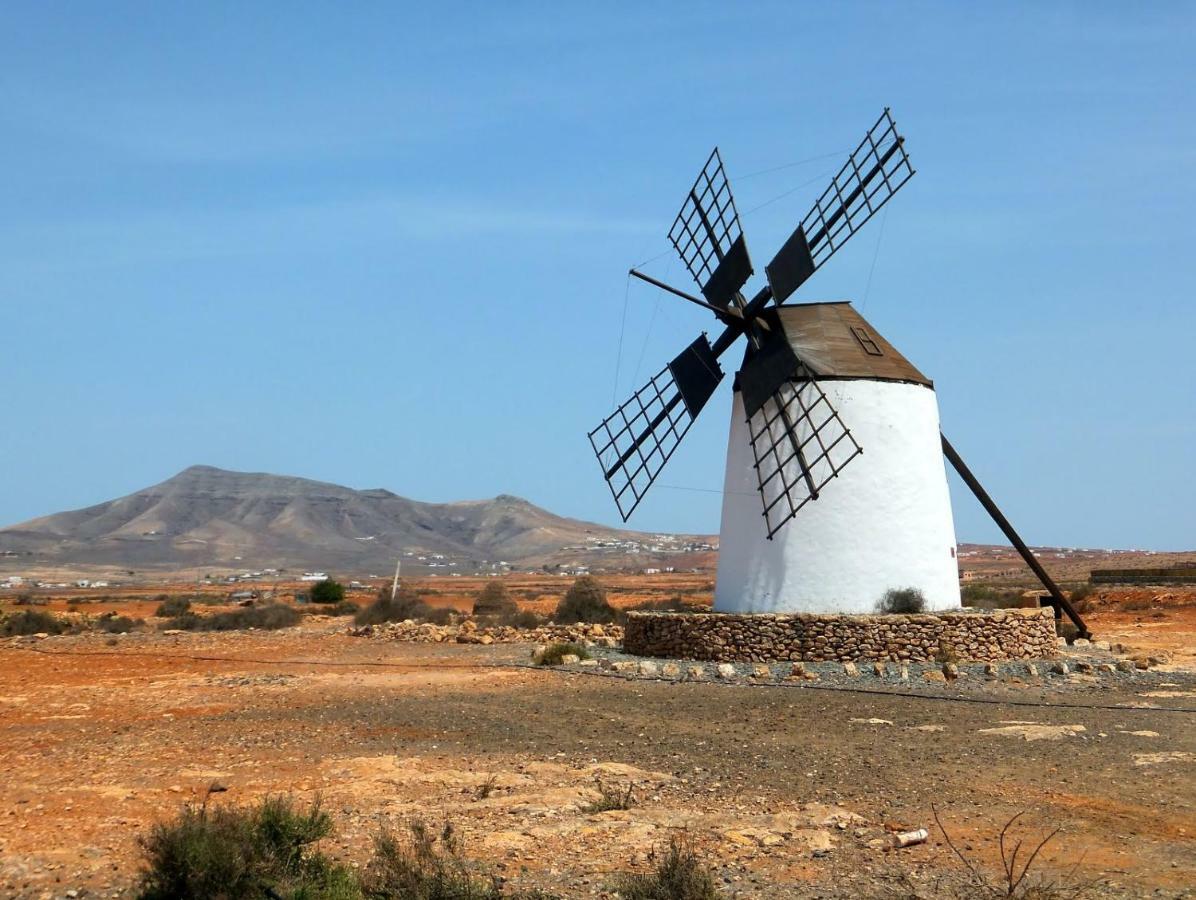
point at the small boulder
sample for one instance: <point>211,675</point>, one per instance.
<point>726,670</point>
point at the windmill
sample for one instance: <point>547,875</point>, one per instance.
<point>834,489</point>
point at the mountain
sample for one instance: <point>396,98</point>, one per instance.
<point>209,517</point>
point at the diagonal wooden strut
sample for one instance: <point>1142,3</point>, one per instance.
<point>1058,600</point>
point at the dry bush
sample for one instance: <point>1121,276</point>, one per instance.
<point>267,618</point>
<point>258,853</point>
<point>557,652</point>
<point>678,875</point>
<point>610,797</point>
<point>676,603</point>
<point>898,601</point>
<point>111,623</point>
<point>169,607</point>
<point>423,866</point>
<point>585,601</point>
<point>494,600</point>
<point>32,621</point>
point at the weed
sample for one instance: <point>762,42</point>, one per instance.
<point>1016,880</point>
<point>557,652</point>
<point>610,798</point>
<point>902,600</point>
<point>267,618</point>
<point>679,875</point>
<point>486,788</point>
<point>676,603</point>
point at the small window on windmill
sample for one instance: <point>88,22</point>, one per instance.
<point>870,346</point>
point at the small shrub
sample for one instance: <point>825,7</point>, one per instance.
<point>679,875</point>
<point>407,604</point>
<point>420,869</point>
<point>983,596</point>
<point>902,601</point>
<point>585,601</point>
<point>556,652</point>
<point>611,798</point>
<point>327,591</point>
<point>494,600</point>
<point>522,618</point>
<point>111,623</point>
<point>259,852</point>
<point>267,618</point>
<point>172,606</point>
<point>32,621</point>
<point>1080,592</point>
<point>486,788</point>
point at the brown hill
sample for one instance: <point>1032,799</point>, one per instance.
<point>208,517</point>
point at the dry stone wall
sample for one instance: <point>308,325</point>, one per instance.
<point>724,637</point>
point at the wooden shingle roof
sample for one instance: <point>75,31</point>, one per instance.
<point>835,341</point>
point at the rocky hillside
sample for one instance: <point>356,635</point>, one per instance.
<point>212,517</point>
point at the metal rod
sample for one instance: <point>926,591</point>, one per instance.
<point>1059,601</point>
<point>717,310</point>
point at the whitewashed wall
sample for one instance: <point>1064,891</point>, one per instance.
<point>885,522</point>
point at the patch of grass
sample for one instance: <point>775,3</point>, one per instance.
<point>423,866</point>
<point>902,601</point>
<point>610,797</point>
<point>585,601</point>
<point>679,875</point>
<point>267,618</point>
<point>262,852</point>
<point>32,621</point>
<point>170,607</point>
<point>557,652</point>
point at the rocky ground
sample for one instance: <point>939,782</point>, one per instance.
<point>788,786</point>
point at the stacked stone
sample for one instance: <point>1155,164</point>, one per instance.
<point>469,632</point>
<point>719,637</point>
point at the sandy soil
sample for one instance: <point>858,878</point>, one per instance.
<point>787,791</point>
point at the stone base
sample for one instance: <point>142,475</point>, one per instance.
<point>726,637</point>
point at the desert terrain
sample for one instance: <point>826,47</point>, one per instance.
<point>786,789</point>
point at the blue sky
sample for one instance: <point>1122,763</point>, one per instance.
<point>385,245</point>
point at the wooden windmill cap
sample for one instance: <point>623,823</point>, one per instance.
<point>835,341</point>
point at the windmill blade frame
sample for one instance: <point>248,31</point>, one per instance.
<point>708,236</point>
<point>876,170</point>
<point>800,445</point>
<point>634,443</point>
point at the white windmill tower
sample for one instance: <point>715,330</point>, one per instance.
<point>828,419</point>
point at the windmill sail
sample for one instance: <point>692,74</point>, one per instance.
<point>709,238</point>
<point>799,444</point>
<point>635,441</point>
<point>874,172</point>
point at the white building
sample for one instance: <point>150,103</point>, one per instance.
<point>883,522</point>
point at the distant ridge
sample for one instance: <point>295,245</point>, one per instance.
<point>205,516</point>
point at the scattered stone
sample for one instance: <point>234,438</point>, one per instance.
<point>695,672</point>
<point>1081,642</point>
<point>871,721</point>
<point>1029,731</point>
<point>648,668</point>
<point>950,671</point>
<point>1125,665</point>
<point>880,669</point>
<point>934,675</point>
<point>991,670</point>
<point>850,670</point>
<point>1102,645</point>
<point>1106,668</point>
<point>797,670</point>
<point>1031,670</point>
<point>670,670</point>
<point>903,673</point>
<point>761,672</point>
<point>625,666</point>
<point>726,671</point>
<point>589,663</point>
<point>1059,667</point>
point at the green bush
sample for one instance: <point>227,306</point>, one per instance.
<point>32,621</point>
<point>267,618</point>
<point>172,606</point>
<point>902,600</point>
<point>585,601</point>
<point>260,852</point>
<point>327,591</point>
<point>556,652</point>
<point>679,875</point>
<point>494,600</point>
